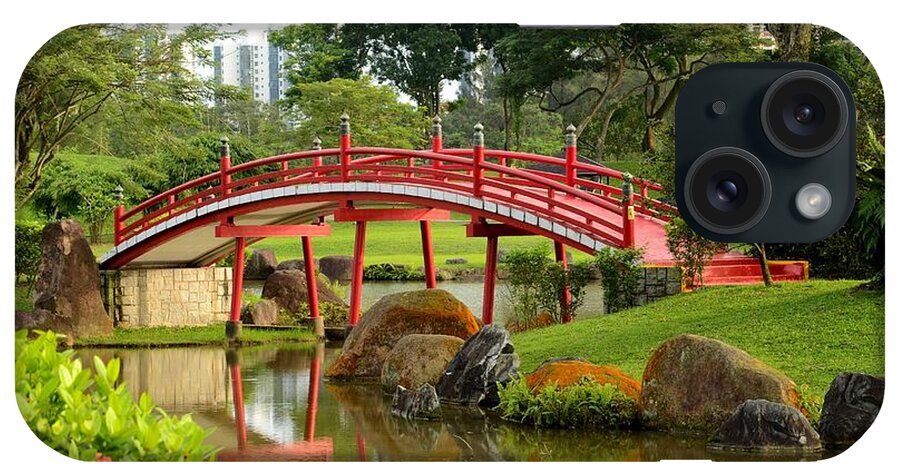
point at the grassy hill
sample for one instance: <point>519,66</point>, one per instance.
<point>811,331</point>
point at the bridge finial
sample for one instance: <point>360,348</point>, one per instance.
<point>317,143</point>
<point>478,136</point>
<point>436,129</point>
<point>571,137</point>
<point>224,148</point>
<point>345,124</point>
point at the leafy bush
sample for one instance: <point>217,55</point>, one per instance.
<point>691,251</point>
<point>585,404</point>
<point>28,250</point>
<point>85,415</point>
<point>840,256</point>
<point>391,272</point>
<point>810,404</point>
<point>555,281</point>
<point>620,274</point>
<point>333,315</point>
<point>536,283</point>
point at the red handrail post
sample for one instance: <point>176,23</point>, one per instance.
<point>571,155</point>
<point>490,279</point>
<point>428,255</point>
<point>359,248</point>
<point>565,305</point>
<point>317,160</point>
<point>118,224</point>
<point>224,166</point>
<point>478,158</point>
<point>437,139</point>
<point>345,145</point>
<point>233,326</point>
<point>312,291</point>
<point>627,211</point>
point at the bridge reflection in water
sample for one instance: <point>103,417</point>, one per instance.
<point>272,404</point>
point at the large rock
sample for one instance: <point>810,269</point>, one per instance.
<point>67,294</point>
<point>567,371</point>
<point>288,289</point>
<point>261,265</point>
<point>261,313</point>
<point>484,361</point>
<point>851,405</point>
<point>418,359</point>
<point>337,267</point>
<point>420,404</point>
<point>295,264</point>
<point>761,425</point>
<point>695,383</point>
<point>429,311</point>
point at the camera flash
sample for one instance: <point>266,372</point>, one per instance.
<point>813,201</point>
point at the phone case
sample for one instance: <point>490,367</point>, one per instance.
<point>421,242</point>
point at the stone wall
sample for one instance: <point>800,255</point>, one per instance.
<point>167,296</point>
<point>657,282</point>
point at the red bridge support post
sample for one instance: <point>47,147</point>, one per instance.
<point>627,211</point>
<point>477,159</point>
<point>490,279</point>
<point>359,249</point>
<point>428,255</point>
<point>437,139</point>
<point>345,144</point>
<point>117,224</point>
<point>559,250</point>
<point>311,287</point>
<point>233,326</point>
<point>571,155</point>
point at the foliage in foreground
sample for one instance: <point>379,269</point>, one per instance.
<point>28,251</point>
<point>85,415</point>
<point>391,272</point>
<point>585,404</point>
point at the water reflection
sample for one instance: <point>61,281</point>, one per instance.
<point>272,403</point>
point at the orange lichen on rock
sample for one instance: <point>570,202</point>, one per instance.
<point>570,371</point>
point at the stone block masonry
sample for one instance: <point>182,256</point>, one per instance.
<point>167,296</point>
<point>657,282</point>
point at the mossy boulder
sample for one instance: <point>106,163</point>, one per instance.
<point>429,311</point>
<point>418,359</point>
<point>695,383</point>
<point>288,289</point>
<point>568,371</point>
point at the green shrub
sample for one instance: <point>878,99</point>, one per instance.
<point>333,315</point>
<point>553,285</point>
<point>690,250</point>
<point>85,415</point>
<point>28,250</point>
<point>585,404</point>
<point>536,283</point>
<point>810,404</point>
<point>391,272</point>
<point>620,274</point>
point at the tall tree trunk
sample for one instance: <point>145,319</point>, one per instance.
<point>793,41</point>
<point>507,124</point>
<point>604,130</point>
<point>764,263</point>
<point>649,141</point>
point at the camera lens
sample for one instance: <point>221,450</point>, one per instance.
<point>727,190</point>
<point>804,113</point>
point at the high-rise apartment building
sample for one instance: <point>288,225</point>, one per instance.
<point>255,66</point>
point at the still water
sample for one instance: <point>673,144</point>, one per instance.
<point>467,291</point>
<point>273,403</point>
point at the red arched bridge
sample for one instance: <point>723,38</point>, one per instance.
<point>576,204</point>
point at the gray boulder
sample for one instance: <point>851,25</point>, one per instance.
<point>456,261</point>
<point>261,265</point>
<point>337,267</point>
<point>295,264</point>
<point>484,361</point>
<point>67,293</point>
<point>261,313</point>
<point>851,405</point>
<point>420,404</point>
<point>761,425</point>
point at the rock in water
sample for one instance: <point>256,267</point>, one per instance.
<point>68,284</point>
<point>567,371</point>
<point>761,425</point>
<point>288,289</point>
<point>337,267</point>
<point>261,265</point>
<point>262,313</point>
<point>484,361</point>
<point>695,383</point>
<point>429,311</point>
<point>418,359</point>
<point>421,404</point>
<point>851,405</point>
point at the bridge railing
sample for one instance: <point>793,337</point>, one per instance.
<point>556,193</point>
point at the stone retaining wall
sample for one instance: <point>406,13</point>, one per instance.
<point>657,282</point>
<point>167,296</point>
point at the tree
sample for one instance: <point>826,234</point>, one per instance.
<point>690,250</point>
<point>82,69</point>
<point>377,117</point>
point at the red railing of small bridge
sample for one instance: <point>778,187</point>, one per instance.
<point>498,175</point>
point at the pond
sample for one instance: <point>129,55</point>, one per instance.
<point>273,403</point>
<point>469,291</point>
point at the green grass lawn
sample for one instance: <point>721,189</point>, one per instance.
<point>199,335</point>
<point>811,331</point>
